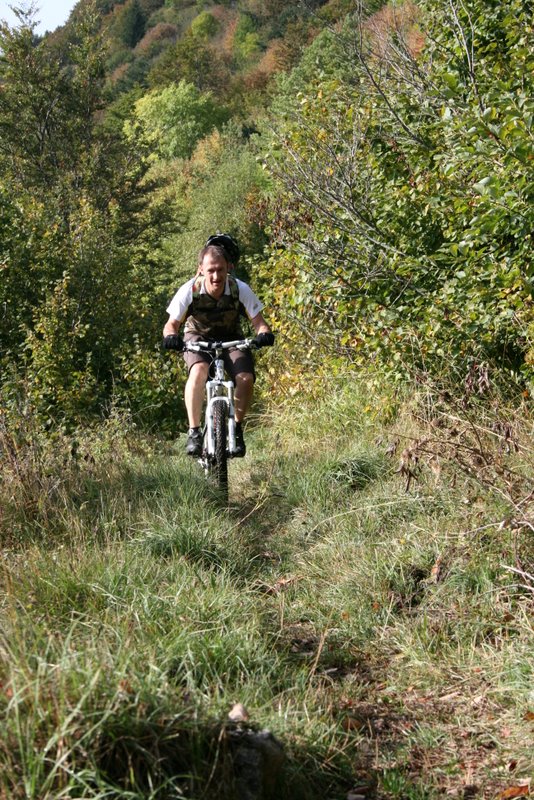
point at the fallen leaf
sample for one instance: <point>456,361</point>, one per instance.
<point>238,713</point>
<point>523,790</point>
<point>435,571</point>
<point>283,583</point>
<point>529,716</point>
<point>352,723</point>
<point>446,697</point>
<point>280,585</point>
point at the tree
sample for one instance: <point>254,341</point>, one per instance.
<point>48,102</point>
<point>204,26</point>
<point>220,188</point>
<point>407,188</point>
<point>172,120</point>
<point>193,61</point>
<point>76,230</point>
<point>246,39</point>
<point>129,24</point>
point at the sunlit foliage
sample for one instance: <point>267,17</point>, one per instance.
<point>405,170</point>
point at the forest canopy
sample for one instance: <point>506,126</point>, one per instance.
<point>375,165</point>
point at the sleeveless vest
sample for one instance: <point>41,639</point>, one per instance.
<point>215,319</point>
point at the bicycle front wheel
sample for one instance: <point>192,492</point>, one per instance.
<point>220,415</point>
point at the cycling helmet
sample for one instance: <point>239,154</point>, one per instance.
<point>228,243</point>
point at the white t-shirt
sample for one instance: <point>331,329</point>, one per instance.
<point>183,298</point>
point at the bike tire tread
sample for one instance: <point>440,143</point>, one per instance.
<point>220,413</point>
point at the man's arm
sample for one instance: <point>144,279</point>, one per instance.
<point>259,324</point>
<point>172,327</point>
<point>171,337</point>
<point>178,308</point>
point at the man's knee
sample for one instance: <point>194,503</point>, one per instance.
<point>244,380</point>
<point>198,373</point>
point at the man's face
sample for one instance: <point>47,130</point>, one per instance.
<point>215,271</point>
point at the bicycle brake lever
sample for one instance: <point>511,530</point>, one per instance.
<point>248,344</point>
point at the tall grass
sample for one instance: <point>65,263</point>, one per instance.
<point>381,634</point>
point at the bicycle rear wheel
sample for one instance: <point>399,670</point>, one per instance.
<point>220,414</point>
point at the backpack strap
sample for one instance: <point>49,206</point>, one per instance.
<point>197,286</point>
<point>234,290</point>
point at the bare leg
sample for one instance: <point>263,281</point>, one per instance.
<point>244,389</point>
<point>194,393</point>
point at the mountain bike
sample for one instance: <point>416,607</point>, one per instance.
<point>219,442</point>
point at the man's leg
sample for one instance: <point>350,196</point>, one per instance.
<point>194,396</point>
<point>244,389</point>
<point>194,392</point>
<point>240,365</point>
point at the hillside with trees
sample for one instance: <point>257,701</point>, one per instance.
<point>375,168</point>
<point>375,163</point>
<point>128,135</point>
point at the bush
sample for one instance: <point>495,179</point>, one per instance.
<point>405,225</point>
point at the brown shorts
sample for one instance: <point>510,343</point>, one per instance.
<point>235,361</point>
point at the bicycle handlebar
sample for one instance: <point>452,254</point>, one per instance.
<point>209,347</point>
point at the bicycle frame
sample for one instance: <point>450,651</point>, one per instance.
<point>218,388</point>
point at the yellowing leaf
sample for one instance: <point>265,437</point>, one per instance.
<point>523,790</point>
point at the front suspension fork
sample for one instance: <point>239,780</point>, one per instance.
<point>214,392</point>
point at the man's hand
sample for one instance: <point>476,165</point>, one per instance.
<point>172,342</point>
<point>263,340</point>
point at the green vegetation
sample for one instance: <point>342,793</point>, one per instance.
<point>406,179</point>
<point>395,194</point>
<point>204,26</point>
<point>173,120</point>
<point>372,630</point>
<point>367,594</point>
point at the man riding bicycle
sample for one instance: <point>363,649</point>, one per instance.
<point>211,305</point>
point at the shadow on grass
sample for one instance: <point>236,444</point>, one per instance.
<point>105,504</point>
<point>180,756</point>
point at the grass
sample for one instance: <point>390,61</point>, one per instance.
<point>376,632</point>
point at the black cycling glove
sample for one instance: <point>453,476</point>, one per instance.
<point>173,342</point>
<point>263,340</point>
